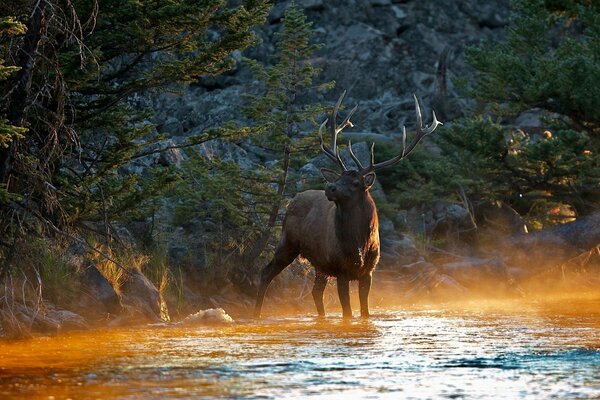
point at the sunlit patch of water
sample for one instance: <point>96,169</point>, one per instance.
<point>466,351</point>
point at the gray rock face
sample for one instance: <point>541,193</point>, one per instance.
<point>381,51</point>
<point>397,251</point>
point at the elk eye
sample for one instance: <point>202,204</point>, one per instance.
<point>355,183</point>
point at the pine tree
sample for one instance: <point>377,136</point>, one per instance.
<point>8,132</point>
<point>549,61</point>
<point>73,88</point>
<point>282,126</point>
<point>279,114</point>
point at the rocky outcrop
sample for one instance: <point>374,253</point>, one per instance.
<point>380,51</point>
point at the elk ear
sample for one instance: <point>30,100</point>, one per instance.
<point>329,175</point>
<point>369,180</point>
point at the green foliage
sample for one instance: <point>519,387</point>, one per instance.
<point>549,62</point>
<point>219,193</point>
<point>243,207</point>
<point>278,112</point>
<point>8,131</point>
<point>59,281</point>
<point>474,158</point>
<point>85,131</point>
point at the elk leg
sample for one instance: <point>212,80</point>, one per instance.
<point>343,285</point>
<point>364,286</point>
<point>284,255</point>
<point>317,292</point>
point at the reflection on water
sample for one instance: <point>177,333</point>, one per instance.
<point>534,351</point>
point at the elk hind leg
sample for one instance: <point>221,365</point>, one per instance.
<point>284,255</point>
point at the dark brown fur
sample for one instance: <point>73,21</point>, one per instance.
<point>337,230</point>
<point>339,236</point>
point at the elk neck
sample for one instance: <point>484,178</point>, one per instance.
<point>356,221</point>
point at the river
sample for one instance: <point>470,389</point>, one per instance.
<point>474,350</point>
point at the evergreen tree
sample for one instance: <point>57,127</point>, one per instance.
<point>8,132</point>
<point>80,64</point>
<point>550,62</point>
<point>279,114</point>
<point>282,126</point>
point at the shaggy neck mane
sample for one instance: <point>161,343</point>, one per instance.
<point>355,222</point>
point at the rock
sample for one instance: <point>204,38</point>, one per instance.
<point>425,282</point>
<point>210,316</point>
<point>380,2</point>
<point>399,13</point>
<point>532,123</point>
<point>310,170</point>
<point>123,235</point>
<point>397,252</point>
<point>173,126</point>
<point>476,272</point>
<point>552,246</point>
<point>142,298</point>
<point>98,293</point>
<point>310,4</point>
<point>440,218</point>
<point>530,120</point>
<point>227,151</point>
<point>170,155</point>
<point>67,320</point>
<point>19,320</point>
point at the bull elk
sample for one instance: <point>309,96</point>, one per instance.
<point>337,229</point>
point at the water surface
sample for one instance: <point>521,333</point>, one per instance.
<point>471,351</point>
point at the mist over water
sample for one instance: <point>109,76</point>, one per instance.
<point>468,350</point>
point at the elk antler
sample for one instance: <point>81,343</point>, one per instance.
<point>422,131</point>
<point>334,153</point>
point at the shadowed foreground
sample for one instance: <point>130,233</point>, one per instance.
<point>474,351</point>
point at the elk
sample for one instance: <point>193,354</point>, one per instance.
<point>337,229</point>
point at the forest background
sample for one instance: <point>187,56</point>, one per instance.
<point>148,149</point>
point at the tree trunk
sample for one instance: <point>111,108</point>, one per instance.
<point>263,237</point>
<point>19,99</point>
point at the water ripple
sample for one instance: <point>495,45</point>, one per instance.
<point>428,353</point>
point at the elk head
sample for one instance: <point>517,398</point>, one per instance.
<point>344,186</point>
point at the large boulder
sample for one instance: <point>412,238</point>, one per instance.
<point>397,251</point>
<point>97,293</point>
<point>141,298</point>
<point>440,219</point>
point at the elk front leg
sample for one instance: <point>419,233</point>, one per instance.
<point>343,285</point>
<point>317,292</point>
<point>364,286</point>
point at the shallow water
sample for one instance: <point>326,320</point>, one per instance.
<point>468,351</point>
